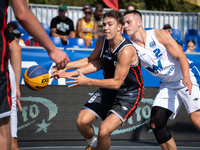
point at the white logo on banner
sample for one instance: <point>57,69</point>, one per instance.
<point>32,111</point>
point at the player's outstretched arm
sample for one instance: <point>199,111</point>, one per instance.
<point>15,60</point>
<point>30,23</point>
<point>89,68</point>
<point>86,65</point>
<point>176,51</point>
<point>125,58</point>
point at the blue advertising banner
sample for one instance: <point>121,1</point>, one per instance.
<point>38,56</point>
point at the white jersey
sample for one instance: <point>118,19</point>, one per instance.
<point>172,93</point>
<point>158,61</point>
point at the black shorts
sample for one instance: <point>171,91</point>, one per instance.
<point>102,103</point>
<point>5,95</point>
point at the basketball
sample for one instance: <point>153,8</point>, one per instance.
<point>36,77</point>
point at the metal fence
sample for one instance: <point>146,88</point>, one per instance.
<point>151,19</point>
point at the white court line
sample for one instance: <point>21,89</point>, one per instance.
<point>124,147</point>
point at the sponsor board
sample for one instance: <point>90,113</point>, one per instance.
<point>50,114</point>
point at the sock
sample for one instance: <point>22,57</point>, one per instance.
<point>92,142</point>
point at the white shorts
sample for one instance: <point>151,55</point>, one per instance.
<point>172,95</point>
<point>13,118</point>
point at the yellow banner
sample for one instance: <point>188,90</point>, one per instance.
<point>195,2</point>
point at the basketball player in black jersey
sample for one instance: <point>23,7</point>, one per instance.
<point>30,23</point>
<point>119,94</point>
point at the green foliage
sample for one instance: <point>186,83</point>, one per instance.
<point>138,4</point>
<point>171,5</point>
<point>161,5</point>
<point>79,3</point>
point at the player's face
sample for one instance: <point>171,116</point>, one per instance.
<point>131,24</point>
<point>111,28</point>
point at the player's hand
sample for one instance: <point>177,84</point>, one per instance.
<point>80,80</point>
<point>61,74</point>
<point>59,57</point>
<point>55,72</point>
<point>58,74</point>
<point>188,84</point>
<point>56,69</point>
<point>18,99</point>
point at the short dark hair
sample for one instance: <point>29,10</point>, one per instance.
<point>12,25</point>
<point>116,15</point>
<point>134,12</point>
<point>167,26</point>
<point>99,7</point>
<point>191,41</point>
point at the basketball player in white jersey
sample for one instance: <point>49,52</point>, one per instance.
<point>160,54</point>
<point>119,94</point>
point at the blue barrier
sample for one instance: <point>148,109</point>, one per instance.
<point>39,56</point>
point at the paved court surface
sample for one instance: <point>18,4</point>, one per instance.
<point>116,145</point>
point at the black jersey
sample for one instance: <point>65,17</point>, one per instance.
<point>4,45</point>
<point>109,60</point>
<point>63,27</point>
<point>5,87</point>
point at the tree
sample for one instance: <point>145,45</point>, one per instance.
<point>171,5</point>
<point>162,5</point>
